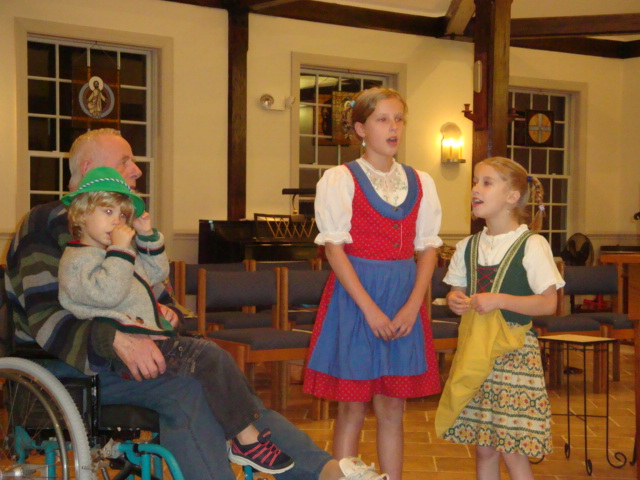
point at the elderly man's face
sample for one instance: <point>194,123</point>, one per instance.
<point>116,153</point>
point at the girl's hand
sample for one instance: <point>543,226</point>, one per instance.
<point>142,224</point>
<point>485,302</point>
<point>404,321</point>
<point>380,325</point>
<point>122,235</point>
<point>458,302</point>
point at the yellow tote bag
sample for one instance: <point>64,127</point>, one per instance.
<point>481,339</point>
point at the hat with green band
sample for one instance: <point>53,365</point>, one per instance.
<point>105,179</point>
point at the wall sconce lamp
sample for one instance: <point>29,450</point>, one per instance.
<point>267,102</point>
<point>451,144</point>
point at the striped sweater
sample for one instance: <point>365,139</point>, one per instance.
<point>32,288</point>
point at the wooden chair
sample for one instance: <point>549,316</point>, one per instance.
<point>444,323</point>
<point>250,346</point>
<point>234,317</point>
<point>563,324</point>
<point>602,280</point>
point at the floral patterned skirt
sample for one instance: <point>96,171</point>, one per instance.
<point>511,410</point>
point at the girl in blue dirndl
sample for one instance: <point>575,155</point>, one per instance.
<point>372,340</point>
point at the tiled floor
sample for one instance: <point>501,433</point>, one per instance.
<point>427,457</point>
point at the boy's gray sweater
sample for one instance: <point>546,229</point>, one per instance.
<point>114,285</point>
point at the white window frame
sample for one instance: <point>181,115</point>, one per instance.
<point>162,125</point>
<point>395,72</point>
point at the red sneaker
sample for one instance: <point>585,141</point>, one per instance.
<point>263,455</point>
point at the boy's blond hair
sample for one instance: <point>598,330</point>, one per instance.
<point>85,204</point>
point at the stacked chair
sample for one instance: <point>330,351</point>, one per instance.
<point>250,345</point>
<point>580,280</point>
<point>444,323</point>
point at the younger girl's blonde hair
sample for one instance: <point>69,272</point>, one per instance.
<point>86,203</point>
<point>363,104</point>
<point>519,179</point>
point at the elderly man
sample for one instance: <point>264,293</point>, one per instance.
<point>188,428</point>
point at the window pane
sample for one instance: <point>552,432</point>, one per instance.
<point>133,69</point>
<point>326,86</point>
<point>308,178</point>
<point>42,134</point>
<point>540,102</point>
<point>351,85</point>
<point>136,135</point>
<point>42,97</point>
<point>65,99</point>
<point>557,242</point>
<point>142,184</point>
<point>306,119</point>
<point>70,58</point>
<point>307,150</point>
<point>522,101</point>
<point>538,161</point>
<point>308,88</point>
<point>545,219</point>
<point>559,190</point>
<point>324,121</point>
<point>546,187</point>
<point>103,59</point>
<point>558,135</point>
<point>371,83</point>
<point>45,174</point>
<point>68,134</point>
<point>521,156</point>
<point>133,104</point>
<point>559,218</point>
<point>519,132</point>
<point>557,106</point>
<point>41,59</point>
<point>328,155</point>
<point>66,174</point>
<point>556,162</point>
<point>39,199</point>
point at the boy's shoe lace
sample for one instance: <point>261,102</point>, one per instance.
<point>355,469</point>
<point>263,455</point>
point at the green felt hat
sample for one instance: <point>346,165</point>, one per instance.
<point>105,179</point>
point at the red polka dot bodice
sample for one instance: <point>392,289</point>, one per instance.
<point>377,237</point>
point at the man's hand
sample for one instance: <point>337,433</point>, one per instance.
<point>140,354</point>
<point>142,224</point>
<point>169,315</point>
<point>122,235</point>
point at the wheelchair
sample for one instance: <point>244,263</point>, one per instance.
<point>53,428</point>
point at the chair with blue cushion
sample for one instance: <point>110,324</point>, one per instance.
<point>601,280</point>
<point>563,324</point>
<point>249,346</point>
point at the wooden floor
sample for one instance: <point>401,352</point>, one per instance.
<point>427,457</point>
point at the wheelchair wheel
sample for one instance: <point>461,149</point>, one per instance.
<point>40,417</point>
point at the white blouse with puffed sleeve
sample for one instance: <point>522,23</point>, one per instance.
<point>334,196</point>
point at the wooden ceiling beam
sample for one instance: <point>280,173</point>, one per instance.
<point>587,25</point>
<point>357,17</point>
<point>458,17</point>
<point>580,46</point>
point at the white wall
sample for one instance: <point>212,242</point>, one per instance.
<point>438,83</point>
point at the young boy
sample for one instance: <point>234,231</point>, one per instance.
<point>103,277</point>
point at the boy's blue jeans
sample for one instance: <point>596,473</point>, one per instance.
<point>188,427</point>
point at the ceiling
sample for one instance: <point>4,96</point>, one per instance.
<point>606,28</point>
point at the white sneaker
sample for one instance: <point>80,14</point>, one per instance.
<point>355,469</point>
